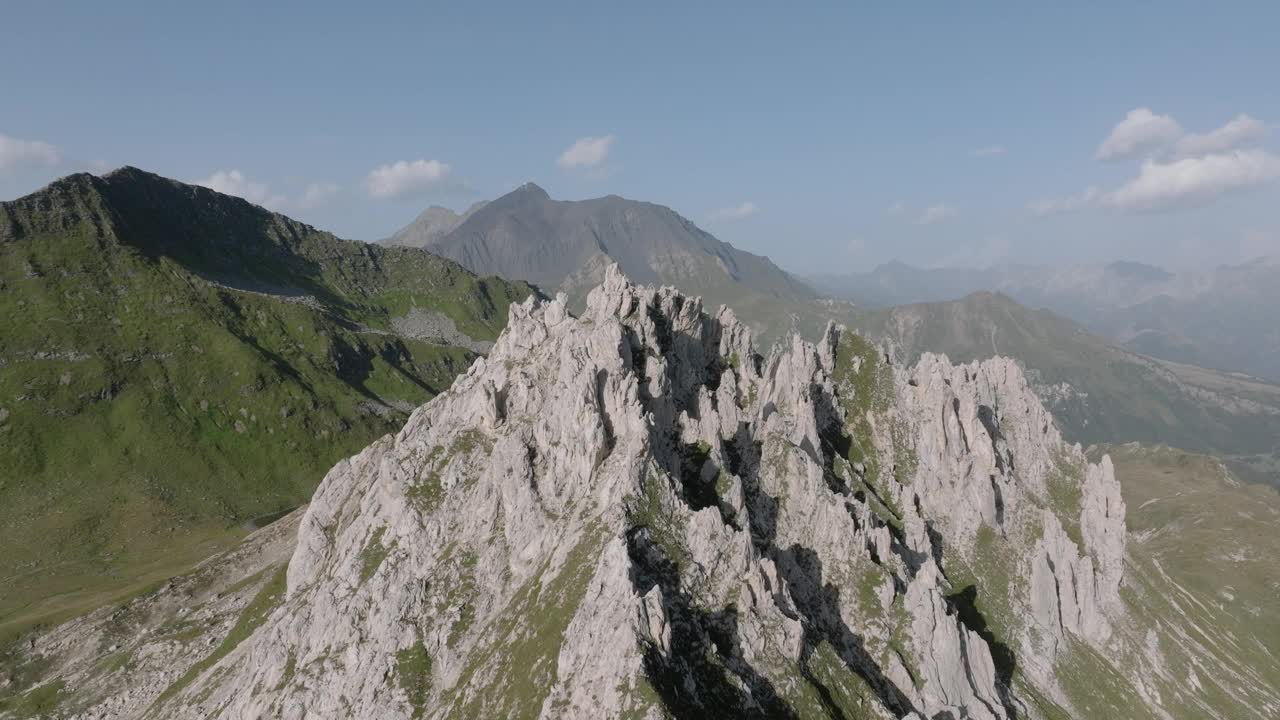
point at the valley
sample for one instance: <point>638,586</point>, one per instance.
<point>169,441</point>
<point>1218,318</point>
<point>177,365</point>
<point>599,361</point>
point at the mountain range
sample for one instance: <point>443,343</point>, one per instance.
<point>176,363</point>
<point>432,224</point>
<point>566,245</point>
<point>1100,390</point>
<point>634,514</point>
<point>1221,318</point>
<point>252,469</point>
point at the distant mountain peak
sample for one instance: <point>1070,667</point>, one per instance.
<point>431,224</point>
<point>529,190</point>
<point>1138,271</point>
<point>560,244</point>
<point>125,171</point>
<point>436,212</point>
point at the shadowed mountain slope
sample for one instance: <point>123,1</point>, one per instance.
<point>175,363</point>
<point>566,245</point>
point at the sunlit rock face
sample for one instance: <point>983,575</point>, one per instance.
<point>632,513</point>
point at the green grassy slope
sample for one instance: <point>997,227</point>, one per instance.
<point>175,363</point>
<point>1202,579</point>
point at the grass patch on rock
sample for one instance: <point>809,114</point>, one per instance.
<point>413,675</point>
<point>268,598</point>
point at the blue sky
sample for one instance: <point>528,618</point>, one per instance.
<point>828,136</point>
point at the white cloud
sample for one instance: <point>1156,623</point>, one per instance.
<point>988,151</point>
<point>1181,169</point>
<point>587,152</point>
<point>926,216</point>
<point>936,214</point>
<point>1070,203</point>
<point>404,177</point>
<point>234,182</point>
<point>18,153</point>
<point>1194,181</point>
<point>1141,129</point>
<point>1241,130</point>
<point>317,194</point>
<point>745,210</point>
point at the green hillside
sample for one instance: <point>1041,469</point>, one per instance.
<point>176,363</point>
<point>1097,391</point>
<point>1201,582</point>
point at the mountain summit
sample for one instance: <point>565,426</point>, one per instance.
<point>566,245</point>
<point>434,223</point>
<point>633,514</point>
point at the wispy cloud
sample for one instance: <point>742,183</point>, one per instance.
<point>15,153</point>
<point>405,177</point>
<point>1070,203</point>
<point>923,216</point>
<point>1194,180</point>
<point>234,182</point>
<point>1140,129</point>
<point>586,152</point>
<point>1242,130</point>
<point>1180,169</point>
<point>937,213</point>
<point>737,212</point>
<point>317,194</point>
<point>988,151</point>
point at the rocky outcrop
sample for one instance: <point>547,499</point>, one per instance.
<point>632,513</point>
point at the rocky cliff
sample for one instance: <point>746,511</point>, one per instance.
<point>633,514</point>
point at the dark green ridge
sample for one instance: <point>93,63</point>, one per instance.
<point>175,362</point>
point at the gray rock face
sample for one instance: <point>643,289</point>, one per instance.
<point>564,245</point>
<point>434,223</point>
<point>436,327</point>
<point>633,514</point>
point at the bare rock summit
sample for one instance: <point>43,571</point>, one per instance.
<point>632,513</point>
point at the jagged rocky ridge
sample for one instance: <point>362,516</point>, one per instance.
<point>633,514</point>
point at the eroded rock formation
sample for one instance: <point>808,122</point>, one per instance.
<point>634,514</point>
